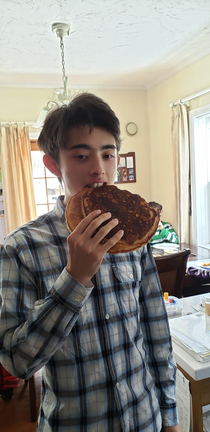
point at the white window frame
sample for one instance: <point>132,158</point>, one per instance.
<point>193,226</point>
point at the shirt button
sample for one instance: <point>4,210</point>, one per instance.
<point>131,276</point>
<point>107,316</point>
<point>77,299</point>
<point>118,385</point>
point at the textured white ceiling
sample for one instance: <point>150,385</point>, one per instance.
<point>112,43</point>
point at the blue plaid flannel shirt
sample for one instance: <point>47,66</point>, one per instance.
<point>105,350</point>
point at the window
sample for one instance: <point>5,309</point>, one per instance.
<point>200,167</point>
<point>46,185</point>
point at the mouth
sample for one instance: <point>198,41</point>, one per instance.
<point>95,185</point>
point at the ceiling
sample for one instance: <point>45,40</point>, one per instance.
<point>112,43</point>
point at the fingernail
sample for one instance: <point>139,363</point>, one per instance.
<point>98,211</point>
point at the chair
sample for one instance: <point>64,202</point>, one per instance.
<point>32,395</point>
<point>171,270</point>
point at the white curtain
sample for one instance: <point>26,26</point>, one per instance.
<point>17,180</point>
<point>180,144</point>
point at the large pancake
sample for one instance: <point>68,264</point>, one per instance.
<point>136,218</point>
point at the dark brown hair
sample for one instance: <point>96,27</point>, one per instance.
<point>155,205</point>
<point>85,109</point>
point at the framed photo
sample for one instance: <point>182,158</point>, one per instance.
<point>126,171</point>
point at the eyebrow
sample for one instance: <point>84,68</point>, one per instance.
<point>88,147</point>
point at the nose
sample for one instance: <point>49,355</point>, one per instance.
<point>97,166</point>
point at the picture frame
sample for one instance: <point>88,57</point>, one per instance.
<point>126,171</point>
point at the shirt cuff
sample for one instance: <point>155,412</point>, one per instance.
<point>70,292</point>
<point>170,417</point>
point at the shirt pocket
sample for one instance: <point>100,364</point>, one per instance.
<point>127,281</point>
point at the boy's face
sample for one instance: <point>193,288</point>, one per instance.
<point>91,158</point>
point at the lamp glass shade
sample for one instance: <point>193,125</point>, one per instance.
<point>42,116</point>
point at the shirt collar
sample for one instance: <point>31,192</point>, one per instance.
<point>60,208</point>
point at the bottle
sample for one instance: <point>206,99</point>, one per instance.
<point>165,295</point>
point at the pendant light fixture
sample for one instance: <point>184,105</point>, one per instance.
<point>61,96</point>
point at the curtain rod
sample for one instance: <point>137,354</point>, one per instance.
<point>181,101</point>
<point>18,123</point>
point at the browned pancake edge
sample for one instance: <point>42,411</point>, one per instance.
<point>73,212</point>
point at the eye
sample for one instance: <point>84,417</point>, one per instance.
<point>81,157</point>
<point>109,156</point>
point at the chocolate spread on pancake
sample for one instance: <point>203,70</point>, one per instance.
<point>123,205</point>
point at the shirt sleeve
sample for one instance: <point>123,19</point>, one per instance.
<point>157,341</point>
<point>32,329</point>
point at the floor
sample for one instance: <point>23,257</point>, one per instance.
<point>15,413</point>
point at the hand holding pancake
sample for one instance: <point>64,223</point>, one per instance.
<point>138,221</point>
<point>85,251</point>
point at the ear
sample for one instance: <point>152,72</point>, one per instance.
<point>51,165</point>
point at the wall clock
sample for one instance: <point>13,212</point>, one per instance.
<point>131,128</point>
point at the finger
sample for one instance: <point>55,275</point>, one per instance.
<point>81,227</point>
<point>95,223</point>
<point>104,230</point>
<point>112,241</point>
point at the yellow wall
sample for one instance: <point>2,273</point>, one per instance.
<point>130,106</point>
<point>190,80</point>
<point>149,109</point>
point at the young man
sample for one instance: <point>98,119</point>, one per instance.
<point>94,322</point>
<point>165,231</point>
